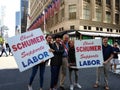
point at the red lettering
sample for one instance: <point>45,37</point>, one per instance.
<point>19,46</point>
<point>27,43</point>
<point>14,47</point>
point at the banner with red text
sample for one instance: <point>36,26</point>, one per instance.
<point>29,49</point>
<point>89,53</point>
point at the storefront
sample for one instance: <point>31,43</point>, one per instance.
<point>77,34</point>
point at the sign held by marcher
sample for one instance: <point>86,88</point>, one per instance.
<point>89,53</point>
<point>29,49</point>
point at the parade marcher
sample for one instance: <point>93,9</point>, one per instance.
<point>64,66</point>
<point>41,67</point>
<point>9,50</point>
<point>107,56</point>
<point>72,65</point>
<point>115,60</point>
<point>56,62</point>
<point>3,49</point>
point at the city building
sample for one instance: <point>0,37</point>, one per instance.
<point>24,12</point>
<point>3,28</point>
<point>17,23</point>
<point>85,19</point>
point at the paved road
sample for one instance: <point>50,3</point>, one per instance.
<point>12,79</point>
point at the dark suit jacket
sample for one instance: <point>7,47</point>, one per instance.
<point>57,59</point>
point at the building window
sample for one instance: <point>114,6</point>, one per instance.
<point>117,4</point>
<point>62,28</point>
<point>98,2</point>
<point>101,29</point>
<point>111,30</point>
<point>62,13</point>
<point>55,31</point>
<point>108,3</point>
<point>116,18</point>
<point>98,14</point>
<point>72,11</point>
<point>89,27</point>
<point>86,12</point>
<point>117,30</point>
<point>107,29</point>
<point>56,18</point>
<point>108,17</point>
<point>72,27</point>
<point>85,27</point>
<point>88,1</point>
<point>97,28</point>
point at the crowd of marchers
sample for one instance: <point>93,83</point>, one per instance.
<point>64,59</point>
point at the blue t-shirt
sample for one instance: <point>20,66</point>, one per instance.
<point>116,54</point>
<point>107,51</point>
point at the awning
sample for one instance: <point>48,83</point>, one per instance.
<point>99,34</point>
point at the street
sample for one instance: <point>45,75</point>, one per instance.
<point>12,79</point>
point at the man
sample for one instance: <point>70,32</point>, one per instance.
<point>115,60</point>
<point>3,49</point>
<point>64,60</point>
<point>107,56</point>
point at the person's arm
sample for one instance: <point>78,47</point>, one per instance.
<point>111,56</point>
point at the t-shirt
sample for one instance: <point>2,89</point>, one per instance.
<point>107,51</point>
<point>115,50</point>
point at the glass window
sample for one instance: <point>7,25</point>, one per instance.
<point>86,13</point>
<point>108,2</point>
<point>62,12</point>
<point>97,28</point>
<point>87,1</point>
<point>98,2</point>
<point>108,17</point>
<point>98,14</point>
<point>72,11</point>
<point>101,29</point>
<point>117,4</point>
<point>85,27</point>
<point>89,27</point>
<point>117,18</point>
<point>56,18</point>
<point>72,27</point>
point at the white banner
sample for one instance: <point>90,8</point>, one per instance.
<point>89,53</point>
<point>29,49</point>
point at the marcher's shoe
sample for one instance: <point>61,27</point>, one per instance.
<point>96,85</point>
<point>30,87</point>
<point>62,88</point>
<point>71,87</point>
<point>78,85</point>
<point>41,89</point>
<point>54,88</point>
<point>106,88</point>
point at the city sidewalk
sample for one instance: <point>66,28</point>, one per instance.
<point>7,62</point>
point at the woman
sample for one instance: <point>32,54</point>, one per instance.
<point>72,65</point>
<point>56,62</point>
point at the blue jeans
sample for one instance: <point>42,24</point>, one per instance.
<point>54,75</point>
<point>3,51</point>
<point>41,73</point>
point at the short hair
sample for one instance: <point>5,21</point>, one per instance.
<point>48,35</point>
<point>104,37</point>
<point>65,36</point>
<point>57,36</point>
